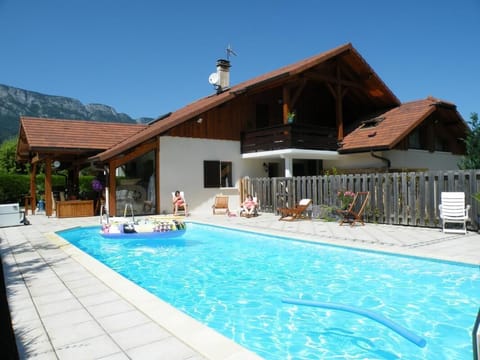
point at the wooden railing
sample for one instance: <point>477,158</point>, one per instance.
<point>395,198</point>
<point>288,136</point>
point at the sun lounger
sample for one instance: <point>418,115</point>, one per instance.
<point>221,203</point>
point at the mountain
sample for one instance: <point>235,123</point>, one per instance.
<point>15,102</point>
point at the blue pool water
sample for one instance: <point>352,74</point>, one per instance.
<point>235,281</point>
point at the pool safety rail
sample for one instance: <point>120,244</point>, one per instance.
<point>476,337</point>
<point>402,331</point>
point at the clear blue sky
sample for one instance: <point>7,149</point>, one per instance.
<point>148,57</point>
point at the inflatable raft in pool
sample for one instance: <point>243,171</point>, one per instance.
<point>147,227</point>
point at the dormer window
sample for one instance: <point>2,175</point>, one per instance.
<point>370,123</point>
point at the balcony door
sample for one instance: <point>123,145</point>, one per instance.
<point>261,116</point>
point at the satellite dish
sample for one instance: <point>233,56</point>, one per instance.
<point>56,164</point>
<point>213,78</point>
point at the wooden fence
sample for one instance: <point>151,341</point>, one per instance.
<point>407,198</point>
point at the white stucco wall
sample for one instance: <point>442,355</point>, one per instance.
<point>411,159</point>
<point>423,159</point>
<point>181,168</point>
<point>353,161</point>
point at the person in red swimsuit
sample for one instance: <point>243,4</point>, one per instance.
<point>179,202</point>
<point>249,206</point>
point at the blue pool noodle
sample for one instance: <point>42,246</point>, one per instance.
<point>407,334</point>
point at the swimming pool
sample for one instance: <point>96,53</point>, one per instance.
<point>235,281</point>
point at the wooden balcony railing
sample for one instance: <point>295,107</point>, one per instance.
<point>290,136</point>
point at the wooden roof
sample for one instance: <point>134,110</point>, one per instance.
<point>385,131</point>
<point>102,141</point>
<point>365,82</point>
<point>74,137</point>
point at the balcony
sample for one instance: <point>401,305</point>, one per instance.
<point>289,136</point>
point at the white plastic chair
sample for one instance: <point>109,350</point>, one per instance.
<point>454,211</point>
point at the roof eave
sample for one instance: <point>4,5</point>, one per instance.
<point>377,78</point>
<point>364,149</point>
<point>157,129</point>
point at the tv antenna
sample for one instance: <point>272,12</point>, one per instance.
<point>230,51</point>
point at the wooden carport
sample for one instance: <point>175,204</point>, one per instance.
<point>67,144</point>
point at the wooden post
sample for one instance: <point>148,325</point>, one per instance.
<point>286,104</point>
<point>48,187</point>
<point>157,180</point>
<point>33,189</point>
<point>76,180</point>
<point>339,113</point>
<point>338,105</point>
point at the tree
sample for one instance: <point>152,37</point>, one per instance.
<point>8,151</point>
<point>471,160</point>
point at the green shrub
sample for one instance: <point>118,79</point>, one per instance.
<point>85,183</point>
<point>13,187</point>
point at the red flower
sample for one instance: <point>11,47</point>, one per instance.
<point>346,198</point>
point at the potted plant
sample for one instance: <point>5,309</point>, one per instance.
<point>291,116</point>
<point>476,196</point>
<point>346,198</point>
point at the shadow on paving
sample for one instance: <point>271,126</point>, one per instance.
<point>18,273</point>
<point>7,340</point>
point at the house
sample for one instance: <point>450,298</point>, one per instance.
<point>345,117</point>
<point>418,135</point>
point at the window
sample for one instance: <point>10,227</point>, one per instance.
<point>440,144</point>
<point>371,122</point>
<point>414,140</point>
<point>217,174</point>
<point>136,185</point>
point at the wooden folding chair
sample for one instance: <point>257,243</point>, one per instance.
<point>294,213</point>
<point>221,203</point>
<point>354,213</point>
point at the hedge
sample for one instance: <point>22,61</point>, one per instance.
<point>13,188</point>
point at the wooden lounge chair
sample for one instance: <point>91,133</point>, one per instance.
<point>221,203</point>
<point>296,212</point>
<point>454,211</point>
<point>354,213</point>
